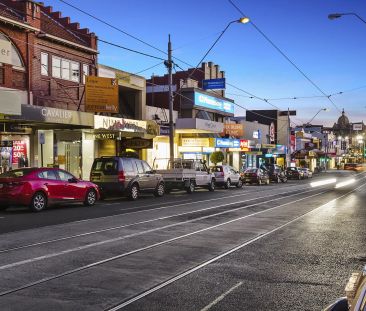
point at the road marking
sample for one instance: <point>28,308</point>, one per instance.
<point>221,297</point>
<point>143,222</point>
<point>75,249</point>
<point>140,250</point>
<point>188,272</point>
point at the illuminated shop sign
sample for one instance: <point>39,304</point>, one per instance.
<point>227,143</point>
<point>214,103</point>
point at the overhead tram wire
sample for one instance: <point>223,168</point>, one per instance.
<point>140,40</point>
<point>134,37</point>
<point>285,56</point>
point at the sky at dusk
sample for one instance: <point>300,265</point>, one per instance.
<point>331,53</point>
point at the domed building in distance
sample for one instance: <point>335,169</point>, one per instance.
<point>343,127</point>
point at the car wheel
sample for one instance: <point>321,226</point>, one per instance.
<point>227,184</point>
<point>160,190</point>
<point>239,184</point>
<point>190,188</point>
<point>134,192</point>
<point>211,185</point>
<point>39,202</point>
<point>90,198</point>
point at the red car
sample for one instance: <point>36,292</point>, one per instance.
<point>39,187</point>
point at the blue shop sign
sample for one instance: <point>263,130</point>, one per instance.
<point>214,103</point>
<point>227,143</point>
<point>213,84</point>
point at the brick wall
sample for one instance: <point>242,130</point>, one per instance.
<point>47,90</point>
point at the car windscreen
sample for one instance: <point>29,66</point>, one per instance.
<point>107,166</point>
<point>18,173</point>
<point>215,169</point>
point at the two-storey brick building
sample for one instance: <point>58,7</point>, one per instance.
<point>44,59</point>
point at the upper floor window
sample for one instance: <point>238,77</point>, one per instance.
<point>65,69</point>
<point>15,58</point>
<point>44,64</point>
<point>85,71</point>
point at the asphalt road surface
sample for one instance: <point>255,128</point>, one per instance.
<point>281,247</point>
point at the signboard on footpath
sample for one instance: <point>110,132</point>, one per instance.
<point>101,94</point>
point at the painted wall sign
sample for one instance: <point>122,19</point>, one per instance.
<point>214,103</point>
<point>5,52</point>
<point>101,94</point>
<point>233,129</point>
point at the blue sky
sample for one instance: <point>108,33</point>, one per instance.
<point>331,53</point>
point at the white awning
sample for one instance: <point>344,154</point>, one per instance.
<point>192,125</point>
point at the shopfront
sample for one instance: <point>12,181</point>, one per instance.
<point>119,136</point>
<point>196,137</point>
<point>44,136</point>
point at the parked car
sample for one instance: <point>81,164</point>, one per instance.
<point>353,167</point>
<point>126,176</point>
<point>275,172</point>
<point>253,175</point>
<point>294,173</point>
<point>226,176</point>
<point>39,187</point>
<point>306,172</point>
<point>186,174</point>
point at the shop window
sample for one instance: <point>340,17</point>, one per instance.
<point>16,59</point>
<point>85,71</point>
<point>44,64</point>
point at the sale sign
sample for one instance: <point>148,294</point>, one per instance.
<point>19,148</point>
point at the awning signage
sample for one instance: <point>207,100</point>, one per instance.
<point>55,115</point>
<point>269,146</point>
<point>214,103</point>
<point>11,101</point>
<point>195,142</point>
<point>137,143</point>
<point>189,125</point>
<point>227,143</point>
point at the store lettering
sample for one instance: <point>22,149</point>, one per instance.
<point>55,113</point>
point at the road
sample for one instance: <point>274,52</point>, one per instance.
<point>277,247</point>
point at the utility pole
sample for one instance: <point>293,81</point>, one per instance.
<point>169,65</point>
<point>288,153</point>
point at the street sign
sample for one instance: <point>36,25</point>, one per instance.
<point>41,138</point>
<point>213,84</point>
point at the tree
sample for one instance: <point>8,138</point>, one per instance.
<point>302,163</point>
<point>216,157</point>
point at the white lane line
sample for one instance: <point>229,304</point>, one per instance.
<point>138,250</point>
<point>221,297</point>
<point>144,222</point>
<point>204,264</point>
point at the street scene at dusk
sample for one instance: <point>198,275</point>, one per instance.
<point>182,156</point>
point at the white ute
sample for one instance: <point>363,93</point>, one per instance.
<point>185,174</point>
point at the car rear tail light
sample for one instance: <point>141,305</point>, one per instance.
<point>121,176</point>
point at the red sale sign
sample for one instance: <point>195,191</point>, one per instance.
<point>19,148</point>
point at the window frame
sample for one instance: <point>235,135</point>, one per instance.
<point>44,67</point>
<point>66,72</point>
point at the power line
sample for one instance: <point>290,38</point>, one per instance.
<point>110,25</point>
<point>285,56</point>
